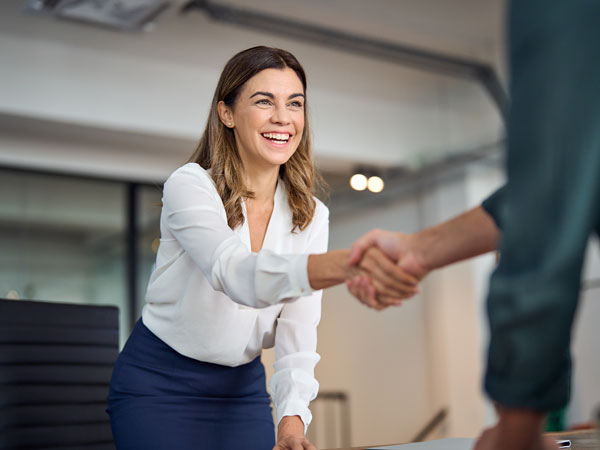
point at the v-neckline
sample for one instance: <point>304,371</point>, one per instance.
<point>270,225</point>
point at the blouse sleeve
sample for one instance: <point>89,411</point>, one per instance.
<point>195,216</point>
<point>293,385</point>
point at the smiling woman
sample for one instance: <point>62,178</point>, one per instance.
<point>261,90</point>
<point>239,268</point>
<point>268,126</point>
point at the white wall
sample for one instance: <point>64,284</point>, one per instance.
<point>137,104</point>
<point>585,396</point>
<point>380,359</point>
<point>401,366</point>
<point>161,83</point>
<point>455,319</point>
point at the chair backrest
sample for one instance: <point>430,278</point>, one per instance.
<point>55,365</point>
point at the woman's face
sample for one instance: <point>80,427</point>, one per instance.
<point>268,117</point>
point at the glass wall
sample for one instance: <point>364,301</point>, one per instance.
<point>64,239</point>
<point>149,208</point>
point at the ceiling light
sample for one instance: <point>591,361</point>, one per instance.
<point>12,295</point>
<point>375,184</point>
<point>358,182</point>
<point>127,15</point>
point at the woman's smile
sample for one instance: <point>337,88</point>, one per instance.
<point>268,118</point>
<point>278,140</point>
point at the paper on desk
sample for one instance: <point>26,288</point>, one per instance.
<point>441,444</point>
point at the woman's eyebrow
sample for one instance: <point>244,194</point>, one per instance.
<point>268,94</point>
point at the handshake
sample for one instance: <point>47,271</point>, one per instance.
<point>385,268</point>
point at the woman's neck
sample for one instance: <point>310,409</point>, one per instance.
<point>263,183</point>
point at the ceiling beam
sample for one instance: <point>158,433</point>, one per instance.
<point>419,58</point>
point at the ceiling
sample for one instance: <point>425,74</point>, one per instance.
<point>460,27</point>
<point>470,28</point>
<point>465,28</point>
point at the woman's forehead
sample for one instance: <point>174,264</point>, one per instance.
<point>276,81</point>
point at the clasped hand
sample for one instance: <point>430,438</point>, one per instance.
<point>388,269</point>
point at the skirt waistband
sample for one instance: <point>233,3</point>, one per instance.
<point>172,371</point>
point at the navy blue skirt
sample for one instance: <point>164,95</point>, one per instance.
<point>162,400</point>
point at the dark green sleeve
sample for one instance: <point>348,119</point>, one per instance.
<point>551,203</point>
<point>493,205</point>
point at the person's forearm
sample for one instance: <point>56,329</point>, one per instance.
<point>328,269</point>
<point>467,235</point>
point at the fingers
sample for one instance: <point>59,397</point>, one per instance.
<point>362,288</point>
<point>289,445</point>
<point>388,278</point>
<point>361,245</point>
<point>308,445</point>
<point>294,443</point>
<point>386,300</point>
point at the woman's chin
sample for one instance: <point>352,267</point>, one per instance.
<point>279,159</point>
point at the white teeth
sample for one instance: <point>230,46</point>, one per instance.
<point>278,137</point>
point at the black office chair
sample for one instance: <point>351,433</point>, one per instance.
<point>55,365</point>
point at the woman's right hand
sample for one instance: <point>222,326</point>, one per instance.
<point>379,282</point>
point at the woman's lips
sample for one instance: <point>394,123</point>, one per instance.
<point>277,139</point>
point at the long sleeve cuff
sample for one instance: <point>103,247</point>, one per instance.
<point>285,274</point>
<point>293,389</point>
<point>525,394</point>
<point>295,407</point>
<point>529,363</point>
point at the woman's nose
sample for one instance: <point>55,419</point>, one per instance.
<point>280,115</point>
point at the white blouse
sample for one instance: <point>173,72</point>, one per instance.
<point>212,299</point>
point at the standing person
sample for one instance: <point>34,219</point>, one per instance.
<point>547,211</point>
<point>239,268</point>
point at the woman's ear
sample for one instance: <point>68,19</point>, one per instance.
<point>225,114</point>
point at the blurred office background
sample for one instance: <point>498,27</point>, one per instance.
<point>94,118</point>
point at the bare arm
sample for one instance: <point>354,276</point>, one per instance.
<point>467,235</point>
<point>332,268</point>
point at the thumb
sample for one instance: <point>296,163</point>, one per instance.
<point>360,246</point>
<point>356,252</point>
<point>413,266</point>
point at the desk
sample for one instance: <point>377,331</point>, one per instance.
<point>581,440</point>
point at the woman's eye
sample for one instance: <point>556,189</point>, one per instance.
<point>264,101</point>
<point>296,104</point>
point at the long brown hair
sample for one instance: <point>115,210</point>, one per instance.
<point>217,148</point>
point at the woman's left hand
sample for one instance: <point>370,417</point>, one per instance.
<point>290,435</point>
<point>293,443</point>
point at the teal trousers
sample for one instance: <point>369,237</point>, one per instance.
<point>551,202</point>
